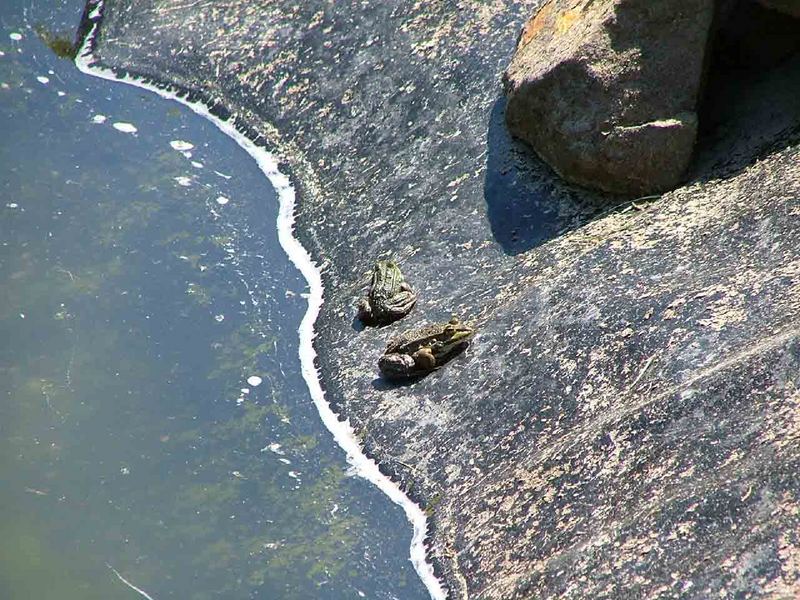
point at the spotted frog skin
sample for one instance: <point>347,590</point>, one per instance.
<point>420,351</point>
<point>390,297</point>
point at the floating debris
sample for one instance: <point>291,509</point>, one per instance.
<point>274,447</point>
<point>180,145</point>
<point>125,127</point>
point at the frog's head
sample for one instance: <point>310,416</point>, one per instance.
<point>386,273</point>
<point>454,333</point>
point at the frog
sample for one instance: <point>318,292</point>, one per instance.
<point>390,296</point>
<point>419,351</point>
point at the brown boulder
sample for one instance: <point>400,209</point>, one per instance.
<point>606,91</point>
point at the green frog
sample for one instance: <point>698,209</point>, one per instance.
<point>420,351</point>
<point>390,297</point>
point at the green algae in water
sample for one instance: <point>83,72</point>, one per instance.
<point>126,435</point>
<point>62,44</point>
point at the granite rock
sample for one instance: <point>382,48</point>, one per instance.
<point>606,91</point>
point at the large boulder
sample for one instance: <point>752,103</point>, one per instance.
<point>606,91</point>
<point>790,7</point>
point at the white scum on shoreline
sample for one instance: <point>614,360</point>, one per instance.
<point>341,430</point>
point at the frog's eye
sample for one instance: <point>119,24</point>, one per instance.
<point>454,320</point>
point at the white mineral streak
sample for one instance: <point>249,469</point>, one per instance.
<point>99,119</point>
<point>341,430</point>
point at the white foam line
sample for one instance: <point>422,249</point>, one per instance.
<point>129,584</point>
<point>341,430</point>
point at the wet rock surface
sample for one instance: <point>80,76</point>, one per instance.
<point>626,421</point>
<point>606,91</point>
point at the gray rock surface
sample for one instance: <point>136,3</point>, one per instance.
<point>606,91</point>
<point>626,422</point>
<point>790,7</point>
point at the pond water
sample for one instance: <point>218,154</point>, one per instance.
<point>156,436</point>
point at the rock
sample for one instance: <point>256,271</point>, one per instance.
<point>606,92</point>
<point>790,7</point>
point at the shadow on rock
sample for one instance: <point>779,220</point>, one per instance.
<point>750,108</point>
<point>381,384</point>
<point>527,203</point>
<point>358,324</point>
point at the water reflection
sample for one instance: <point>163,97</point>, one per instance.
<point>154,426</point>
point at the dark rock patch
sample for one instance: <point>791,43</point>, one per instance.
<point>749,106</point>
<point>789,7</point>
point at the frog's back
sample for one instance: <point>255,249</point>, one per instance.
<point>412,340</point>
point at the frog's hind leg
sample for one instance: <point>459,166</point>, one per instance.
<point>395,367</point>
<point>401,304</point>
<point>424,359</point>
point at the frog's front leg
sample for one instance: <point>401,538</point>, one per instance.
<point>365,314</point>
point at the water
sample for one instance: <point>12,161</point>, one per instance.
<point>142,286</point>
